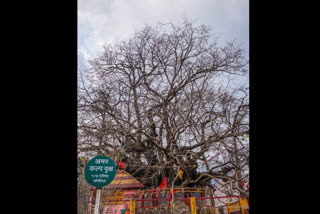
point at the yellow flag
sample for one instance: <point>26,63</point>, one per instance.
<point>180,174</point>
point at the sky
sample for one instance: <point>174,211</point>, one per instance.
<point>109,21</point>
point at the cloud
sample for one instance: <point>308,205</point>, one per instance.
<point>108,21</point>
<point>82,61</point>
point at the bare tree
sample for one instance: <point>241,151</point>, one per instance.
<point>165,99</point>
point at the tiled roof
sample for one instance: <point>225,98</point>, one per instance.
<point>124,180</point>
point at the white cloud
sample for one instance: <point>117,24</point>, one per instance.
<point>107,21</point>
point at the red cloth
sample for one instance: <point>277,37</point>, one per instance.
<point>121,164</point>
<point>242,183</point>
<point>163,183</point>
<point>170,196</point>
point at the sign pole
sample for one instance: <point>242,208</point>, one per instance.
<point>96,207</point>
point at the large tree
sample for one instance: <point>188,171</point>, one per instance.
<point>165,99</point>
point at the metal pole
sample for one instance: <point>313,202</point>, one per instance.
<point>97,205</point>
<point>132,206</point>
<point>193,205</point>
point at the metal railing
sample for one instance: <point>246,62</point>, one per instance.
<point>202,205</point>
<point>175,201</point>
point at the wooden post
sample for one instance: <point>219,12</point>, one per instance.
<point>193,205</point>
<point>228,208</point>
<point>242,206</point>
<point>132,206</point>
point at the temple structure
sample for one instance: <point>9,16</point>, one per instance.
<point>115,196</point>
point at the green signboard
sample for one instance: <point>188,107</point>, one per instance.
<point>100,171</point>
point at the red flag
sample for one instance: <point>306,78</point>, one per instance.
<point>121,164</point>
<point>242,183</point>
<point>163,183</point>
<point>170,196</point>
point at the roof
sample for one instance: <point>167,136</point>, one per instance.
<point>124,180</point>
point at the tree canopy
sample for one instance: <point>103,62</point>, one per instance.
<point>164,100</point>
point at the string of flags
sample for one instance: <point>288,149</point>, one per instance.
<point>122,165</point>
<point>159,166</point>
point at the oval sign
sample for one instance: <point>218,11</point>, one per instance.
<point>100,171</point>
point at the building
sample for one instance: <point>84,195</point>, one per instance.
<point>115,196</point>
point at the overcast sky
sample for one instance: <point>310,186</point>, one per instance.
<point>108,21</point>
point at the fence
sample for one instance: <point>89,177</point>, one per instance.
<point>193,205</point>
<point>160,198</point>
<point>171,201</point>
